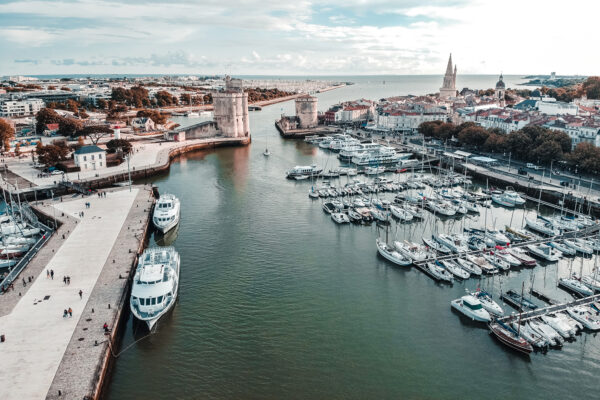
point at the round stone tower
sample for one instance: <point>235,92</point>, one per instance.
<point>306,111</point>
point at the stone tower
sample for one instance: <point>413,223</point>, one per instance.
<point>306,111</point>
<point>231,109</point>
<point>448,88</point>
<point>500,91</point>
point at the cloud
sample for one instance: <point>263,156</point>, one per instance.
<point>175,58</point>
<point>27,61</point>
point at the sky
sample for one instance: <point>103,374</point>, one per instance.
<point>298,37</point>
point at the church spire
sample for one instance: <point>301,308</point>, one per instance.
<point>449,67</point>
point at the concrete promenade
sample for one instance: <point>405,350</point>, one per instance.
<point>37,335</point>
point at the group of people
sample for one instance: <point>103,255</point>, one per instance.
<point>50,274</point>
<point>68,313</point>
<point>67,280</point>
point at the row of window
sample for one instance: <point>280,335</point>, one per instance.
<point>165,219</point>
<point>91,157</point>
<point>150,301</point>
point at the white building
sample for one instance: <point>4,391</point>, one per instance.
<point>556,108</point>
<point>20,108</point>
<point>90,158</point>
<point>407,120</point>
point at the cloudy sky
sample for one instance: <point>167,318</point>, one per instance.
<point>287,37</point>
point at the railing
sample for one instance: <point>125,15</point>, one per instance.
<point>16,270</point>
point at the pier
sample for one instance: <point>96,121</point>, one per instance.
<point>538,312</point>
<point>47,355</point>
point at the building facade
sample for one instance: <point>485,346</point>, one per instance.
<point>231,109</point>
<point>90,158</point>
<point>20,108</point>
<point>306,111</point>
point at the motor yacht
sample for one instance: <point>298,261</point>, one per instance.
<point>155,284</point>
<point>541,226</point>
<point>340,218</point>
<point>513,197</point>
<point>545,252</point>
<point>501,200</point>
<point>304,171</point>
<point>472,308</point>
<point>166,213</point>
<point>414,251</point>
<point>554,338</point>
<point>560,325</point>
<point>390,254</point>
<point>521,254</point>
<point>585,316</point>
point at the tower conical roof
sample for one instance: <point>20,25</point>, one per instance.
<point>449,67</point>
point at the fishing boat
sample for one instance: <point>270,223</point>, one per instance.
<point>155,284</point>
<point>340,218</point>
<point>488,303</point>
<point>563,248</point>
<point>468,266</point>
<point>518,301</point>
<point>453,268</point>
<point>166,212</point>
<point>509,337</point>
<point>472,308</point>
<point>545,252</point>
<point>390,254</point>
<point>585,316</point>
<point>438,273</point>
<point>521,255</point>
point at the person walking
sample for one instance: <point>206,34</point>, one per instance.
<point>47,274</point>
<point>70,312</point>
<point>52,274</point>
<point>65,280</point>
<point>65,312</point>
<point>68,280</point>
<point>80,294</point>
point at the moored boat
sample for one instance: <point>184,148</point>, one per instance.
<point>509,337</point>
<point>471,307</point>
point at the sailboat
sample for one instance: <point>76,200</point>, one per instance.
<point>267,153</point>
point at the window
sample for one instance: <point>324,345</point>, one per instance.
<point>160,299</point>
<point>154,301</point>
<point>92,157</point>
<point>142,301</point>
<point>100,163</point>
<point>100,157</point>
<point>84,166</point>
<point>84,158</point>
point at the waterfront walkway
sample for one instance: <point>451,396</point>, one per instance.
<point>37,334</point>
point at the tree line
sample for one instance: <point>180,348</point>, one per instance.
<point>532,143</point>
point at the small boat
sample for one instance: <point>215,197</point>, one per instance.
<point>579,246</point>
<point>390,254</point>
<point>472,308</point>
<point>453,268</point>
<point>8,263</point>
<point>518,301</point>
<point>508,257</point>
<point>414,251</point>
<point>497,261</point>
<point>529,334</point>
<point>513,197</point>
<point>329,208</point>
<point>554,338</point>
<point>488,303</point>
<point>522,233</point>
<point>379,215</point>
<point>560,325</point>
<point>438,273</point>
<point>453,242</point>
<point>576,286</point>
<point>563,248</point>
<point>366,214</point>
<point>416,212</point>
<point>468,266</point>
<point>509,337</point>
<point>544,251</point>
<point>521,254</point>
<point>340,218</point>
<point>440,248</point>
<point>155,284</point>
<point>313,194</point>
<point>542,226</point>
<point>501,200</point>
<point>482,263</point>
<point>354,215</point>
<point>585,316</point>
<point>266,153</point>
<point>591,281</point>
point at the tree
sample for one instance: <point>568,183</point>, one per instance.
<point>547,151</point>
<point>102,104</point>
<point>587,156</point>
<point>116,145</point>
<point>445,131</point>
<point>95,132</point>
<point>69,127</point>
<point>495,143</point>
<point>53,153</point>
<point>429,128</point>
<point>44,117</point>
<point>154,115</point>
<point>473,136</point>
<point>187,98</point>
<point>591,87</point>
<point>6,133</point>
<point>164,98</point>
<point>519,143</point>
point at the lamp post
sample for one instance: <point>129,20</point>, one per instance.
<point>509,154</point>
<point>129,171</point>
<point>551,162</point>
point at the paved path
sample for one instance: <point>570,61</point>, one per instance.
<point>37,335</point>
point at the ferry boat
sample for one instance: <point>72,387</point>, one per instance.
<point>382,156</point>
<point>166,213</point>
<point>155,284</point>
<point>303,171</point>
<point>346,154</point>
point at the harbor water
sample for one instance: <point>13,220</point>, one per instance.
<point>277,301</point>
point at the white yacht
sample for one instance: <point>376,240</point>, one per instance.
<point>500,199</point>
<point>585,316</point>
<point>488,303</point>
<point>579,246</point>
<point>454,269</point>
<point>563,248</point>
<point>414,251</point>
<point>438,272</point>
<point>544,251</point>
<point>513,197</point>
<point>472,308</point>
<point>155,284</point>
<point>482,263</point>
<point>390,254</point>
<point>468,266</point>
<point>576,286</point>
<point>554,338</point>
<point>559,324</point>
<point>591,281</point>
<point>381,156</point>
<point>442,208</point>
<point>400,213</point>
<point>497,261</point>
<point>453,242</point>
<point>340,218</point>
<point>303,171</point>
<point>166,213</point>
<point>541,226</point>
<point>530,334</point>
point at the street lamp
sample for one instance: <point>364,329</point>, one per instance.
<point>509,154</point>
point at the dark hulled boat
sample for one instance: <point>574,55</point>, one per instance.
<point>509,337</point>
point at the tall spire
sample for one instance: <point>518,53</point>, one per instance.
<point>449,67</point>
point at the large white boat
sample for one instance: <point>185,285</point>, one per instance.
<point>472,308</point>
<point>454,242</point>
<point>576,286</point>
<point>155,284</point>
<point>381,156</point>
<point>585,316</point>
<point>304,171</point>
<point>513,197</point>
<point>482,263</point>
<point>488,303</point>
<point>442,208</point>
<point>166,212</point>
<point>414,251</point>
<point>454,269</point>
<point>500,199</point>
<point>544,251</point>
<point>541,226</point>
<point>579,246</point>
<point>468,266</point>
<point>563,248</point>
<point>554,338</point>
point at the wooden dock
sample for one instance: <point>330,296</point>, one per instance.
<point>552,309</point>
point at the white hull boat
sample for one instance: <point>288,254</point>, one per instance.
<point>488,303</point>
<point>585,316</point>
<point>576,286</point>
<point>390,254</point>
<point>563,248</point>
<point>166,213</point>
<point>438,272</point>
<point>468,266</point>
<point>454,269</point>
<point>554,338</point>
<point>472,308</point>
<point>544,251</point>
<point>340,218</point>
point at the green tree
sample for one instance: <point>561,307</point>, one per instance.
<point>519,143</point>
<point>429,128</point>
<point>118,145</point>
<point>473,136</point>
<point>547,151</point>
<point>95,132</point>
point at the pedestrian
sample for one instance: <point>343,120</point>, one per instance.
<point>68,280</point>
<point>65,280</point>
<point>24,283</point>
<point>52,274</point>
<point>80,294</point>
<point>65,312</point>
<point>105,327</point>
<point>70,312</point>
<point>47,274</point>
